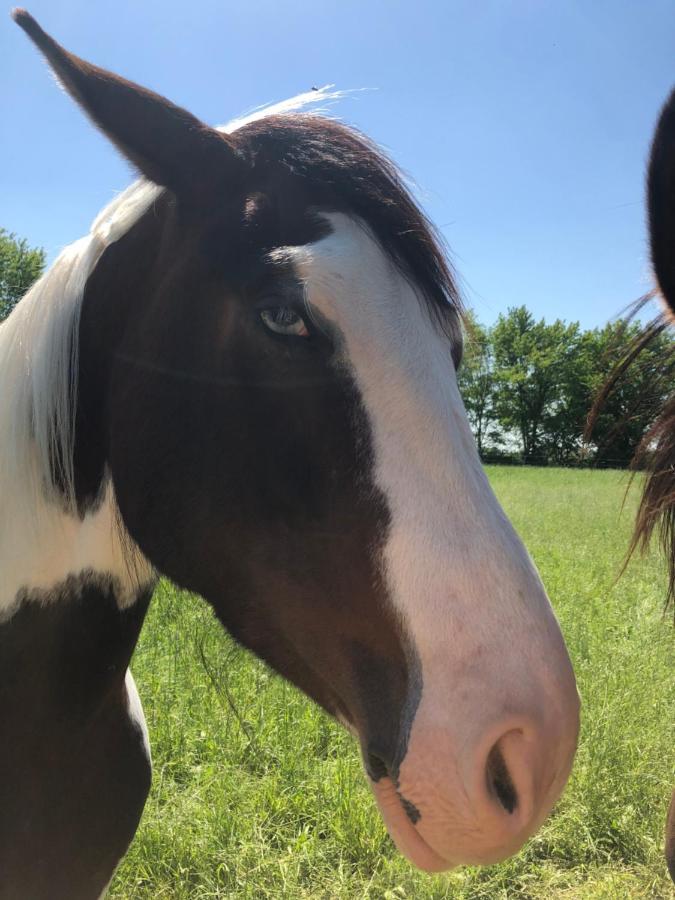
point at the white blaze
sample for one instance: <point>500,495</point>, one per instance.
<point>451,552</point>
<point>492,657</point>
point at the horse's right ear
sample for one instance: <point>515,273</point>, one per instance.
<point>661,202</point>
<point>165,143</point>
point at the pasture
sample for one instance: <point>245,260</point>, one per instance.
<point>256,794</point>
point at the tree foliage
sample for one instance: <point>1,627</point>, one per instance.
<point>535,373</point>
<point>529,386</point>
<point>476,382</point>
<point>20,266</point>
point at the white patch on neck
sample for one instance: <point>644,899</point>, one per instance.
<point>42,540</point>
<point>452,560</point>
<point>43,547</point>
<point>470,602</point>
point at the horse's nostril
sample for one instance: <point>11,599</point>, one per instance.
<point>499,780</point>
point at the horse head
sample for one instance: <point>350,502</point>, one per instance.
<point>266,375</point>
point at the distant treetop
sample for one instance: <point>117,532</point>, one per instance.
<point>20,266</point>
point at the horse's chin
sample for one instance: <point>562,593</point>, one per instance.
<point>402,831</point>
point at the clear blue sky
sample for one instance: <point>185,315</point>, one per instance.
<point>524,124</point>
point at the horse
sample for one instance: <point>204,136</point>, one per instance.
<point>657,504</point>
<point>243,379</point>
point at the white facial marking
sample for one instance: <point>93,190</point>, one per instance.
<point>493,661</point>
<point>446,522</point>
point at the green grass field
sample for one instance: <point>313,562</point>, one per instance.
<point>257,794</point>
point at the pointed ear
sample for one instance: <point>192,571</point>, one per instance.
<point>165,143</point>
<point>661,202</point>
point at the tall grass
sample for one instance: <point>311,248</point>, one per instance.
<point>257,794</point>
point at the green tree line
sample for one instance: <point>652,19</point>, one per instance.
<point>529,386</point>
<point>20,266</point>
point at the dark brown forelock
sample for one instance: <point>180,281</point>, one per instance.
<point>346,172</point>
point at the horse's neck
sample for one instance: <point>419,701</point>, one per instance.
<point>46,552</point>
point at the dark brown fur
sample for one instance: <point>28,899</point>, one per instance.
<point>658,501</point>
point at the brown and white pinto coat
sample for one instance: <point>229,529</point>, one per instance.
<point>244,379</point>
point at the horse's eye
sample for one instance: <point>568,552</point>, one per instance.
<point>284,320</point>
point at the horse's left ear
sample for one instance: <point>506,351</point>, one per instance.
<point>164,142</point>
<point>661,202</point>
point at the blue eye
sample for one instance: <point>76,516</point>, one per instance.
<point>284,320</point>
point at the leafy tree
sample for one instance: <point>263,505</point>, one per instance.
<point>538,382</point>
<point>476,381</point>
<point>535,371</point>
<point>20,266</point>
<point>565,419</point>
